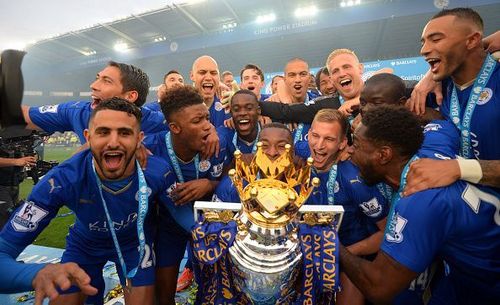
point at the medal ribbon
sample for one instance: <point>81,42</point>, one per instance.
<point>464,124</point>
<point>254,147</point>
<point>175,163</point>
<point>142,211</point>
<point>397,195</point>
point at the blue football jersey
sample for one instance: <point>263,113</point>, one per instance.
<point>363,206</point>
<point>74,116</point>
<point>484,136</point>
<point>226,140</point>
<point>210,169</point>
<point>225,191</point>
<point>301,149</point>
<point>154,106</point>
<point>217,113</point>
<point>441,140</point>
<point>73,183</point>
<point>460,224</point>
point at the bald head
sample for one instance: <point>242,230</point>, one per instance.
<point>203,60</point>
<point>205,76</point>
<point>296,61</point>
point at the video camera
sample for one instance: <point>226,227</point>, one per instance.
<point>11,91</point>
<point>15,140</point>
<point>22,146</point>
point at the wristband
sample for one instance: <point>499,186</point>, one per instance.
<point>470,170</point>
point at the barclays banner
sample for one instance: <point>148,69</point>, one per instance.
<point>410,68</point>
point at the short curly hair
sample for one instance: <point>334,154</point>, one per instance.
<point>395,126</point>
<point>179,98</point>
<point>118,104</point>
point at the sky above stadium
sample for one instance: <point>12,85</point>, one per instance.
<point>25,21</point>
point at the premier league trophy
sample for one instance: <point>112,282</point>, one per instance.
<point>270,249</point>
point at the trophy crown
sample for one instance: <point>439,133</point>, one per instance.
<point>272,191</point>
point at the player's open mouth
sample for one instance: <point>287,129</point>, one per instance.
<point>207,88</point>
<point>251,88</point>
<point>204,138</point>
<point>95,100</point>
<point>297,87</point>
<point>243,124</point>
<point>113,160</point>
<point>434,63</point>
<point>319,157</point>
<point>345,83</point>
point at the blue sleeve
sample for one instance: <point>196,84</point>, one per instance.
<point>15,276</point>
<point>226,143</point>
<point>152,121</point>
<point>225,191</point>
<point>168,184</point>
<point>154,106</point>
<point>52,118</point>
<point>418,229</point>
<point>153,143</point>
<point>441,140</point>
<point>23,227</point>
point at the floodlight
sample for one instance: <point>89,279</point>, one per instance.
<point>306,11</point>
<point>265,18</point>
<point>121,47</point>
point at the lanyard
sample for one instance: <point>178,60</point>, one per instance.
<point>385,190</point>
<point>330,185</point>
<point>175,162</point>
<point>142,211</point>
<point>254,147</point>
<point>298,133</point>
<point>464,124</point>
<point>342,101</point>
<point>397,195</point>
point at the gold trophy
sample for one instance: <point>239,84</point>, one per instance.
<point>266,253</point>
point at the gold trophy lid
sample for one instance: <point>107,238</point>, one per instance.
<point>275,190</point>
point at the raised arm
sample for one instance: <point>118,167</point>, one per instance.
<point>296,113</point>
<point>26,114</point>
<point>430,173</point>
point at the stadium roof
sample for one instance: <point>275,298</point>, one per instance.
<point>164,35</point>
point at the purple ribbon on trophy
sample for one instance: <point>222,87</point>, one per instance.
<point>211,241</point>
<point>319,247</point>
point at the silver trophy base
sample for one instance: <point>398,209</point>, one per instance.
<point>266,261</point>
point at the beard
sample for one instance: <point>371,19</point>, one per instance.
<point>370,175</point>
<point>112,174</point>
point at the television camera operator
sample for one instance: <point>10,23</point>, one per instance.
<point>12,165</point>
<point>19,147</point>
